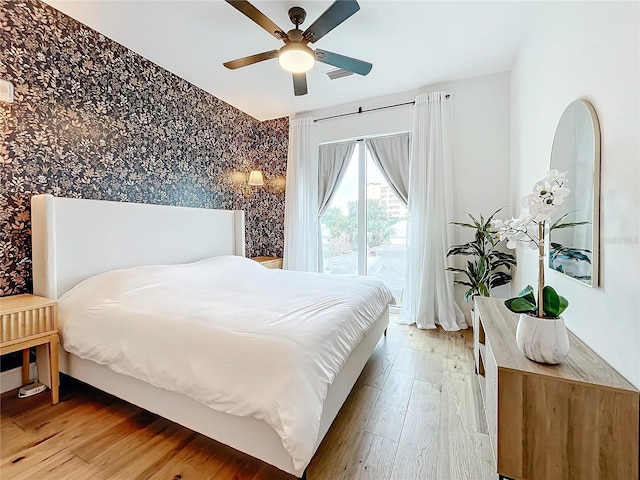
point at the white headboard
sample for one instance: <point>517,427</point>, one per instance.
<point>73,239</point>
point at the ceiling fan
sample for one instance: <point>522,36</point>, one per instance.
<point>296,56</point>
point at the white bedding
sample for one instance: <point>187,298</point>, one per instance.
<point>229,333</point>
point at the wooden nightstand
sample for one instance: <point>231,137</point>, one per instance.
<point>27,321</point>
<point>269,262</point>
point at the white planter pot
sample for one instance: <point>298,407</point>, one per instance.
<point>543,340</point>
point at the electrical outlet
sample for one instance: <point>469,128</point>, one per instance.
<point>6,91</point>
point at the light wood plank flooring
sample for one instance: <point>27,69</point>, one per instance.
<point>415,413</point>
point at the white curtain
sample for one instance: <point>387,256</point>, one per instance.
<point>429,293</point>
<point>332,163</point>
<point>301,200</point>
<point>391,154</point>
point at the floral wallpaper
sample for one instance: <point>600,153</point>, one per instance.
<point>93,119</point>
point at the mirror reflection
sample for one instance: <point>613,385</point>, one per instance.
<point>573,239</point>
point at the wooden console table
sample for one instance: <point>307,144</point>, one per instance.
<point>576,420</point>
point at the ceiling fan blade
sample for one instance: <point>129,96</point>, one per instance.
<point>250,60</point>
<point>347,63</point>
<point>337,13</point>
<point>300,84</point>
<point>257,16</point>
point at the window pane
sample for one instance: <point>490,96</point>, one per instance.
<point>339,224</point>
<point>386,231</point>
<point>386,225</point>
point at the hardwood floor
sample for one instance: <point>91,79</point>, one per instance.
<point>415,413</point>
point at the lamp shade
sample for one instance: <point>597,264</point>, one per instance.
<point>296,58</point>
<point>255,178</point>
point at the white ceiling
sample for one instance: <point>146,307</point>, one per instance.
<point>410,43</point>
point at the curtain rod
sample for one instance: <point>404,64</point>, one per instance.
<point>360,110</point>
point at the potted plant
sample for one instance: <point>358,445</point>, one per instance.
<point>541,334</point>
<point>487,267</point>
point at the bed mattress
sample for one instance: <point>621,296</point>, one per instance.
<point>229,333</point>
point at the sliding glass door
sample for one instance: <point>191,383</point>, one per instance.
<point>364,228</point>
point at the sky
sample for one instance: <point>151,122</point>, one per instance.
<point>348,188</point>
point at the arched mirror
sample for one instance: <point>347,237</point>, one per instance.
<point>573,239</point>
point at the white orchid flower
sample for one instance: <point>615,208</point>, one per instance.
<point>533,224</point>
<point>560,191</point>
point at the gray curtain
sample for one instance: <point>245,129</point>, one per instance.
<point>391,154</point>
<point>332,163</point>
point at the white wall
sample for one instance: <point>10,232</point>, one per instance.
<point>480,140</point>
<point>588,50</point>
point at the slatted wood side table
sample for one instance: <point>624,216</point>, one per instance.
<point>269,262</point>
<point>27,321</point>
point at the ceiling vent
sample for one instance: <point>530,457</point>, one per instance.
<point>338,73</point>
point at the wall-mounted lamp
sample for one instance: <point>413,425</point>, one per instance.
<point>255,180</point>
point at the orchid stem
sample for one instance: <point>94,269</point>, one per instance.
<point>540,268</point>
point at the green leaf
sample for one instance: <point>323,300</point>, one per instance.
<point>562,218</point>
<point>520,305</point>
<point>550,302</point>
<point>499,278</point>
<point>471,268</point>
<point>502,263</point>
<point>554,304</point>
<point>527,294</point>
<point>475,222</point>
<point>461,224</point>
<point>557,226</point>
<point>470,248</point>
<point>506,257</point>
<point>564,303</point>
<point>485,265</point>
<point>489,237</point>
<point>457,270</point>
<point>558,223</point>
<point>482,267</point>
<point>488,222</point>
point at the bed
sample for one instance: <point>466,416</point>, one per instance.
<point>75,239</point>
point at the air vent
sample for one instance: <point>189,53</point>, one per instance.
<point>338,73</point>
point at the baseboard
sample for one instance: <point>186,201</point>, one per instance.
<point>12,379</point>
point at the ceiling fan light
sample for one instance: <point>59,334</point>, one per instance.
<point>296,58</point>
